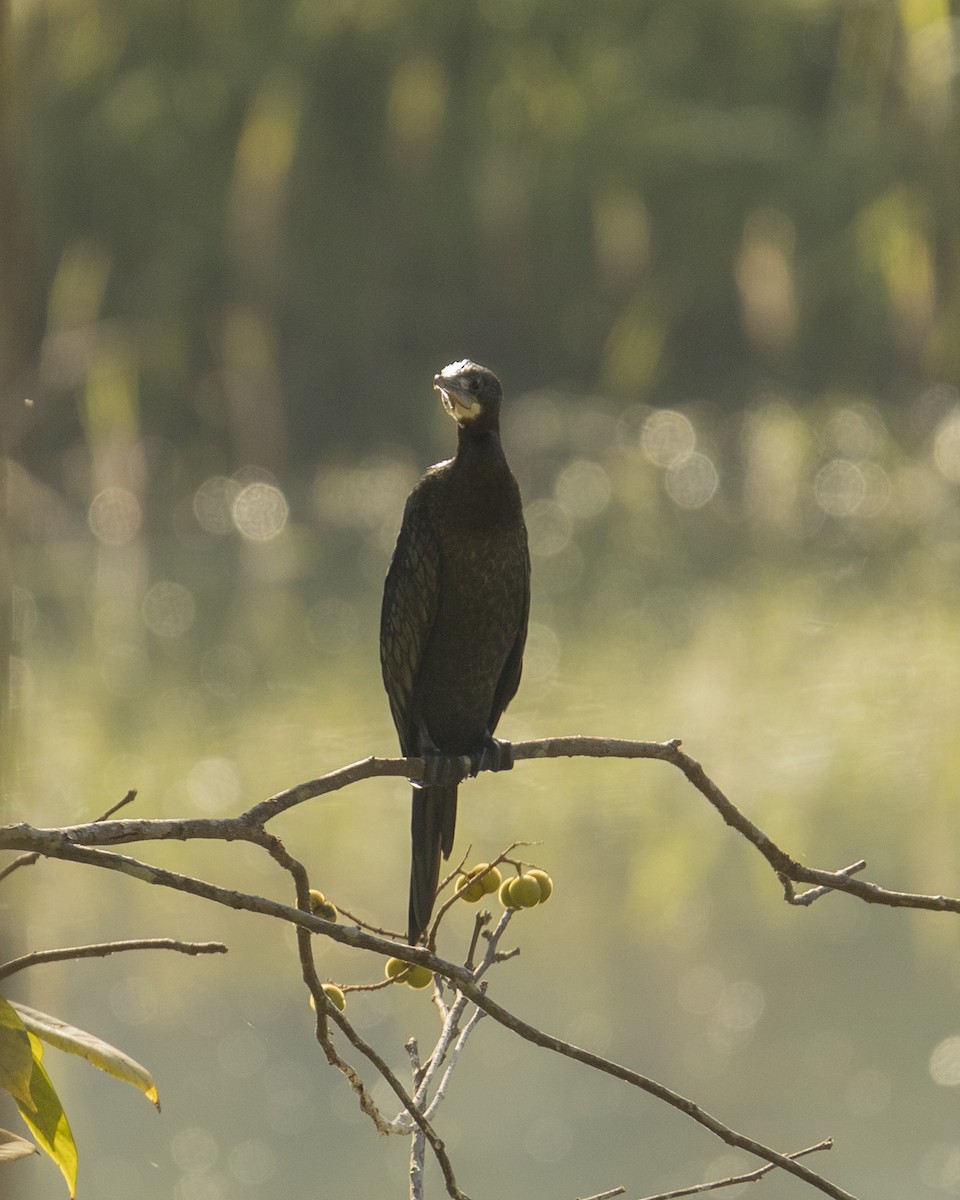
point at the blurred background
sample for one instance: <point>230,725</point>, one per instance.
<point>713,250</point>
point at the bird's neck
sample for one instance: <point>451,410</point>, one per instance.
<point>482,493</point>
<point>478,444</point>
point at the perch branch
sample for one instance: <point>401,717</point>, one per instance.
<point>248,826</point>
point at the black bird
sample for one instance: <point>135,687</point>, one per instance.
<point>454,618</point>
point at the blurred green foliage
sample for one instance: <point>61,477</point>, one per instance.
<point>290,212</point>
<point>713,249</point>
<point>247,234</point>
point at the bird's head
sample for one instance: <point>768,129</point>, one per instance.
<point>471,394</point>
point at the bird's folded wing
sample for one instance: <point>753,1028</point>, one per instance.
<point>409,609</point>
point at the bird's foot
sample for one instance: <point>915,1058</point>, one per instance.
<point>494,756</point>
<point>441,770</point>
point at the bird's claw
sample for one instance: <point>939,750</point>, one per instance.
<point>441,770</point>
<point>494,756</point>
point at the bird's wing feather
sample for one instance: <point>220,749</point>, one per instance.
<point>509,679</point>
<point>409,610</point>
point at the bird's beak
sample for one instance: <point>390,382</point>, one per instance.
<point>456,400</point>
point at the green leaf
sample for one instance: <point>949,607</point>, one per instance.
<point>101,1054</point>
<point>12,1146</point>
<point>16,1057</point>
<point>47,1121</point>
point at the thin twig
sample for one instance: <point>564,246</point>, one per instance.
<point>417,1140</point>
<point>128,799</point>
<point>748,1177</point>
<point>436,1145</point>
<point>804,899</point>
<point>22,860</point>
<point>448,1031</point>
<point>389,933</point>
<point>442,1051</point>
<point>455,1053</point>
<point>458,891</point>
<point>102,949</point>
<point>481,920</point>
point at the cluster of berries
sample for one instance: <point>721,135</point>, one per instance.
<point>524,890</point>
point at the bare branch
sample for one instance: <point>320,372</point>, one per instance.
<point>481,921</point>
<point>248,826</point>
<point>78,844</point>
<point>548,1042</point>
<point>327,1011</point>
<point>749,1177</point>
<point>458,976</point>
<point>455,1053</point>
<point>415,1172</point>
<point>424,1127</point>
<point>27,860</point>
<point>804,899</point>
<point>102,949</point>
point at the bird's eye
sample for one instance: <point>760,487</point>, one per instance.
<point>474,383</point>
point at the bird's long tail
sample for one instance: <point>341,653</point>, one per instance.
<point>431,826</point>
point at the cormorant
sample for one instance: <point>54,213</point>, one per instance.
<point>454,618</point>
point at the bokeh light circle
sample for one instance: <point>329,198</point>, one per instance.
<point>213,784</point>
<point>549,527</point>
<point>667,437</point>
<point>114,516</point>
<point>692,481</point>
<point>194,1149</point>
<point>840,487</point>
<point>213,503</point>
<point>260,512</point>
<point>944,1063</point>
<point>252,1162</point>
<point>877,489</point>
<point>168,609</point>
<point>584,488</point>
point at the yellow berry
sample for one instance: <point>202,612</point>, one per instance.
<point>545,882</point>
<point>525,892</point>
<point>470,890</point>
<point>490,879</point>
<point>320,906</point>
<point>506,897</point>
<point>420,977</point>
<point>394,967</point>
<point>335,995</point>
